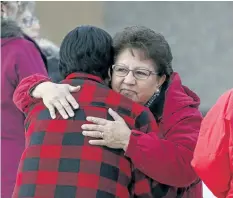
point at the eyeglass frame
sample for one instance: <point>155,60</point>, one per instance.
<point>133,70</point>
<point>29,21</point>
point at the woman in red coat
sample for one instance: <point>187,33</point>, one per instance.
<point>213,156</point>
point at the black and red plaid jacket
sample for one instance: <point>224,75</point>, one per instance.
<point>58,160</point>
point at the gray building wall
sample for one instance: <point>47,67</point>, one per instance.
<point>200,35</point>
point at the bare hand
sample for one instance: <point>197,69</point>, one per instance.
<point>57,96</point>
<point>114,134</point>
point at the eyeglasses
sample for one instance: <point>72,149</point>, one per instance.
<point>29,21</point>
<point>140,74</point>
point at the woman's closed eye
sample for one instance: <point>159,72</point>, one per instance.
<point>142,73</point>
<point>121,70</point>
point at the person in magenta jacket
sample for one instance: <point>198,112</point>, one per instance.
<point>142,72</point>
<point>20,57</point>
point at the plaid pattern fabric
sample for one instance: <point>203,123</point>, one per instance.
<point>58,160</point>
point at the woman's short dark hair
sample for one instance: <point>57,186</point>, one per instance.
<point>86,49</point>
<point>153,44</point>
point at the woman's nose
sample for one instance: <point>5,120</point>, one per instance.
<point>129,78</point>
<point>36,26</point>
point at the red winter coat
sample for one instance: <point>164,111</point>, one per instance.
<point>213,156</point>
<point>167,158</point>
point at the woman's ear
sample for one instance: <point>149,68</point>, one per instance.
<point>161,80</point>
<point>109,74</point>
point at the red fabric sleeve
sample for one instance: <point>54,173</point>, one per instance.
<point>167,160</point>
<point>230,192</point>
<point>22,97</point>
<point>213,154</point>
<point>211,160</point>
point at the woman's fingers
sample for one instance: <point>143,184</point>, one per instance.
<point>51,109</point>
<point>97,142</point>
<point>94,134</point>
<point>60,109</point>
<point>72,101</point>
<point>115,115</point>
<point>99,121</point>
<point>92,127</point>
<point>67,107</point>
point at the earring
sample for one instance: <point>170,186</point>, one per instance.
<point>158,90</point>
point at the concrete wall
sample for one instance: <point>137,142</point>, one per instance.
<point>200,34</point>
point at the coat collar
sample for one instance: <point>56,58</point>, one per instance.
<point>173,97</point>
<point>85,76</point>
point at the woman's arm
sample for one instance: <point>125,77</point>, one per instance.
<point>230,124</point>
<point>164,159</point>
<point>22,96</point>
<point>213,153</point>
<point>58,96</point>
<point>230,192</point>
<point>168,160</point>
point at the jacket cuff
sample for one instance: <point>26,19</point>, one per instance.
<point>133,141</point>
<point>22,97</point>
<point>36,80</point>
